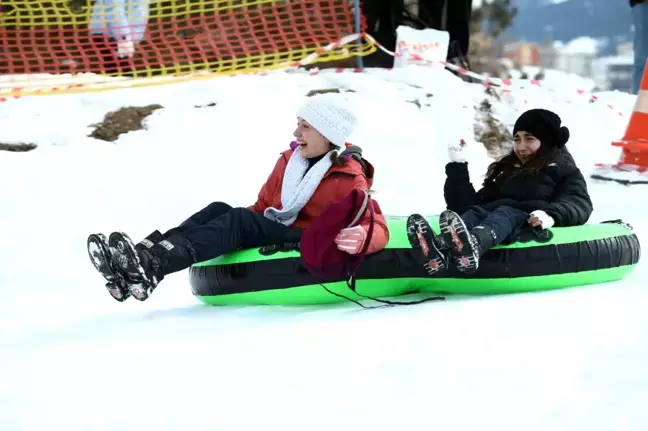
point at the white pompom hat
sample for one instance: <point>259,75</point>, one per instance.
<point>328,114</point>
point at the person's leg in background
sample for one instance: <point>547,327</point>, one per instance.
<point>380,25</point>
<point>640,45</point>
<point>104,48</point>
<point>431,13</point>
<point>458,15</point>
<point>452,16</point>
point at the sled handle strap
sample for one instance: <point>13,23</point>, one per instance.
<point>361,211</point>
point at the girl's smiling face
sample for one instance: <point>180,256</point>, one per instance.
<point>311,142</point>
<point>525,145</point>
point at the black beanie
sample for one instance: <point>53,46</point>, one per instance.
<point>544,125</point>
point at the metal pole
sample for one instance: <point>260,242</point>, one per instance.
<point>358,30</point>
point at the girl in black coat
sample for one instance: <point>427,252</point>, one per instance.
<point>537,185</point>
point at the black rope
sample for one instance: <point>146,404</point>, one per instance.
<point>385,302</point>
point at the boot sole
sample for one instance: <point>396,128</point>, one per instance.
<point>421,237</point>
<point>139,284</point>
<point>462,246</point>
<point>101,259</point>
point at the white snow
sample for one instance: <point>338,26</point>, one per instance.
<point>556,80</point>
<point>72,358</point>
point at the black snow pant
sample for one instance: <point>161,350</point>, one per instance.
<point>218,229</point>
<point>457,22</point>
<point>503,221</point>
<point>458,25</point>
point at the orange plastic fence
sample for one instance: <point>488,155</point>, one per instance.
<point>179,37</point>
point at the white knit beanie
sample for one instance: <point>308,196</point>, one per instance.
<point>328,114</point>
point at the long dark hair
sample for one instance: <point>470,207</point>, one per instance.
<point>507,165</point>
<point>335,157</point>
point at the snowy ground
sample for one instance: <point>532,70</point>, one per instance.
<point>72,358</point>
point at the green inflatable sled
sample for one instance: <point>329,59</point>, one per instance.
<point>567,257</point>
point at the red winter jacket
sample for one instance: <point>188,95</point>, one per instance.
<point>336,184</point>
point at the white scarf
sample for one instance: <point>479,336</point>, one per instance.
<point>297,188</point>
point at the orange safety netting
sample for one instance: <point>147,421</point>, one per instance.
<point>179,37</point>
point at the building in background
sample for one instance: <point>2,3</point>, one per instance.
<point>523,53</point>
<point>614,73</point>
<point>576,56</point>
<point>549,54</point>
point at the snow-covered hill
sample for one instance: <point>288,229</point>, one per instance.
<point>72,358</point>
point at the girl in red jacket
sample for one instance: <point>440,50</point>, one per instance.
<point>320,167</point>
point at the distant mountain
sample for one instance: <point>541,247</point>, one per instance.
<point>564,20</point>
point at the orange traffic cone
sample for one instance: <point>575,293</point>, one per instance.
<point>635,141</point>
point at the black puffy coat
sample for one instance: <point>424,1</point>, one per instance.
<point>559,189</point>
<point>633,3</point>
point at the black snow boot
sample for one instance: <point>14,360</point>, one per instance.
<point>485,237</point>
<point>422,238</point>
<point>150,240</point>
<point>146,267</point>
<point>463,245</point>
<point>102,259</point>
